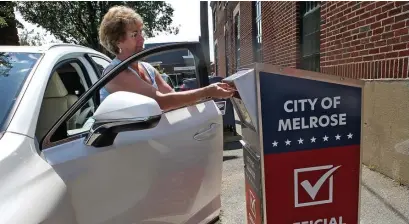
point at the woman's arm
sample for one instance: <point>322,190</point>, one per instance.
<point>127,81</point>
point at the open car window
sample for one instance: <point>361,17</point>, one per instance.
<point>68,81</point>
<point>100,64</point>
<point>200,71</point>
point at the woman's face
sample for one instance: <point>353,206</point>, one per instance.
<point>133,39</point>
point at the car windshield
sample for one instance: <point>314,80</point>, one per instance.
<point>14,69</point>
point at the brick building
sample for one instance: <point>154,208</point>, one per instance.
<point>366,40</point>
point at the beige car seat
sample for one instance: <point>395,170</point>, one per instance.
<point>55,103</point>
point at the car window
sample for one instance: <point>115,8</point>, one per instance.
<point>14,69</point>
<point>86,114</point>
<point>68,82</point>
<point>101,64</point>
<point>83,118</point>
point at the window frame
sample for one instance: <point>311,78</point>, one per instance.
<point>226,58</point>
<point>258,32</point>
<point>86,77</point>
<point>310,60</point>
<point>237,39</point>
<point>94,66</point>
<point>89,57</point>
<point>214,19</point>
<point>216,58</point>
<point>201,77</point>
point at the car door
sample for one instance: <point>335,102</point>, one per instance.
<point>170,173</point>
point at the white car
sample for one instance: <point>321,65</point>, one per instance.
<point>66,157</point>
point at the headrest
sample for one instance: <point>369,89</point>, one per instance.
<point>55,87</point>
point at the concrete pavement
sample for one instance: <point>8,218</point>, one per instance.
<point>233,194</point>
<point>383,200</point>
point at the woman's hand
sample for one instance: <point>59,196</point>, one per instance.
<point>220,90</point>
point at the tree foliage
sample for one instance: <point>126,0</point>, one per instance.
<point>78,21</point>
<point>32,38</point>
<point>5,65</point>
<point>6,12</point>
<point>8,24</point>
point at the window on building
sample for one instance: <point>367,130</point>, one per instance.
<point>226,50</point>
<point>216,59</point>
<point>257,34</point>
<point>310,35</point>
<point>214,19</point>
<point>237,37</point>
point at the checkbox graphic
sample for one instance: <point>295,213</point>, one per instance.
<point>252,203</point>
<point>314,185</point>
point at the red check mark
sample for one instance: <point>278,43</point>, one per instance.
<point>313,190</point>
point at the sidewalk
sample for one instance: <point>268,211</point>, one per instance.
<point>383,201</point>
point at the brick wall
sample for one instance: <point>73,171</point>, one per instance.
<point>365,40</point>
<point>218,37</point>
<point>221,69</point>
<point>280,34</point>
<point>231,46</point>
<point>246,33</point>
<point>225,50</point>
<point>280,40</point>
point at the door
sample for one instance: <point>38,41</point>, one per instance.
<point>167,174</point>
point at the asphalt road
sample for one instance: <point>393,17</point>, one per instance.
<point>383,201</point>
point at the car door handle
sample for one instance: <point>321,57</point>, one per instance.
<point>206,134</point>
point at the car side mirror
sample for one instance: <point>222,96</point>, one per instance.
<point>120,112</point>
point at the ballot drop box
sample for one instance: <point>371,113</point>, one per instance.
<point>301,137</point>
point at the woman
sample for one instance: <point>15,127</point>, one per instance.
<point>121,34</point>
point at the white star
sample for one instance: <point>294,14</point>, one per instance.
<point>337,137</point>
<point>325,138</point>
<point>313,139</point>
<point>275,144</point>
<point>350,135</point>
<point>287,142</point>
<point>300,141</point>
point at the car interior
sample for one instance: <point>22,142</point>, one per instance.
<point>64,88</point>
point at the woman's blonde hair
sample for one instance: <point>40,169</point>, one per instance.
<point>113,26</point>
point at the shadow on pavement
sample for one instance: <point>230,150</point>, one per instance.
<point>232,145</point>
<point>388,205</point>
<point>225,158</point>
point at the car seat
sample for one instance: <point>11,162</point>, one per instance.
<point>55,103</point>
